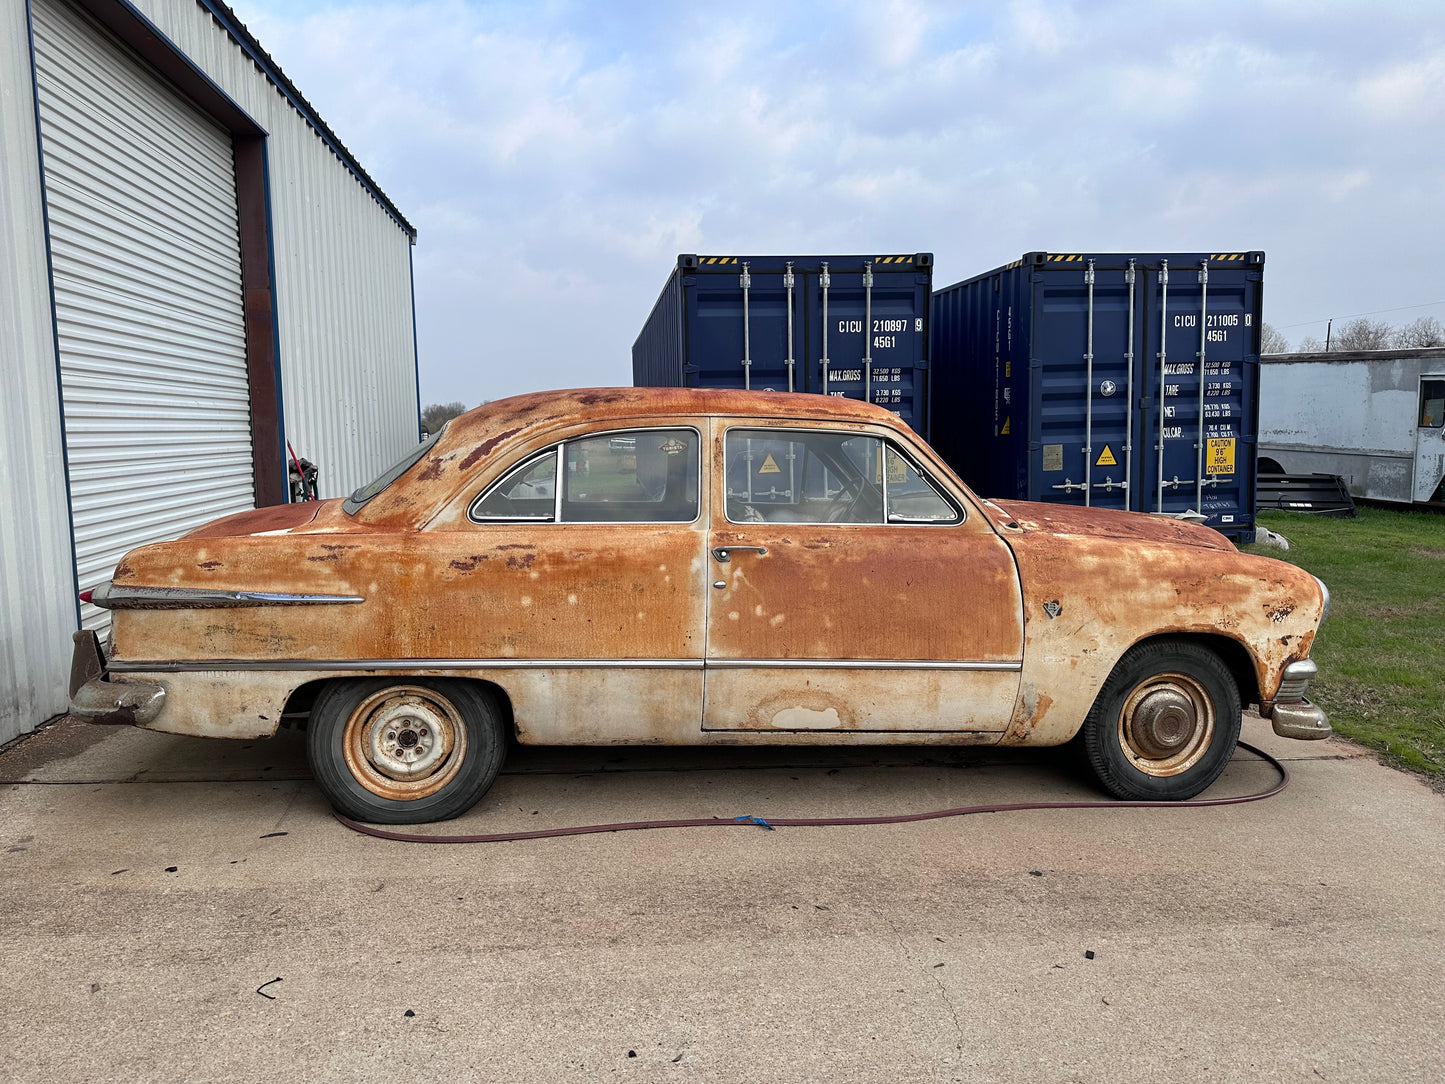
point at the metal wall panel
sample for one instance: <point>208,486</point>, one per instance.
<point>145,261</point>
<point>37,601</point>
<point>343,275</point>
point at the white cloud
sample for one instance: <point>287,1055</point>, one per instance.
<point>556,159</point>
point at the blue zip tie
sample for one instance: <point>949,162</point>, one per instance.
<point>755,820</point>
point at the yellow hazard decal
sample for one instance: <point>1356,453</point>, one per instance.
<point>770,466</point>
<point>892,259</point>
<point>1220,457</point>
<point>1005,430</point>
<point>709,260</point>
<point>1106,458</point>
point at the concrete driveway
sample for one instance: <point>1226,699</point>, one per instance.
<point>150,884</point>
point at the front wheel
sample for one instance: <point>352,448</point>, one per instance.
<point>405,752</point>
<point>1165,723</point>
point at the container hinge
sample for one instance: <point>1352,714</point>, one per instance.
<point>1068,485</point>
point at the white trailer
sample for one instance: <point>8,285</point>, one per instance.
<point>1374,417</point>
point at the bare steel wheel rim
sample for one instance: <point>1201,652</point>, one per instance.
<point>1166,724</point>
<point>405,742</point>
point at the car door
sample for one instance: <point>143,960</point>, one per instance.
<point>577,583</point>
<point>852,589</point>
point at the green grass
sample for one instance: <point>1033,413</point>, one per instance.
<point>1381,652</point>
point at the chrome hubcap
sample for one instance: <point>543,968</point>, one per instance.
<point>1167,724</point>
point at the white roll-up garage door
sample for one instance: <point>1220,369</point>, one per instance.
<point>141,193</point>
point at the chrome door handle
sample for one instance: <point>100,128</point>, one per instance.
<point>723,554</point>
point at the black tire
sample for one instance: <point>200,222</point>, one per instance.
<point>1165,723</point>
<point>405,750</point>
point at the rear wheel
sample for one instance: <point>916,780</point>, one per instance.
<point>1165,723</point>
<point>405,752</point>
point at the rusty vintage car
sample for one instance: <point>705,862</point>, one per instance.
<point>687,567</point>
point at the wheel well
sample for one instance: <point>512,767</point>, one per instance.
<point>1267,465</point>
<point>1232,653</point>
<point>297,711</point>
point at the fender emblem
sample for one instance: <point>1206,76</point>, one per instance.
<point>1054,608</point>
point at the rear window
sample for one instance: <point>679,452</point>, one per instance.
<point>391,474</point>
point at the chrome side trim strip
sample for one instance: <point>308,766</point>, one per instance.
<point>110,597</point>
<point>857,664</point>
<point>364,665</point>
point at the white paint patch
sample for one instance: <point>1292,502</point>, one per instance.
<point>758,610</point>
<point>807,719</point>
<point>571,600</point>
<point>776,620</point>
<point>732,615</point>
<point>525,600</point>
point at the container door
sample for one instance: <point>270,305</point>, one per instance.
<point>1198,402</point>
<point>743,327</point>
<point>1430,440</point>
<point>868,336</point>
<point>1087,327</point>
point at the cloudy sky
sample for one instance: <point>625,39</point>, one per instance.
<point>556,157</point>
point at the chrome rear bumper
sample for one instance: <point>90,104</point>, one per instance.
<point>93,699</point>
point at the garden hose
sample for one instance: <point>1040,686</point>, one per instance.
<point>747,821</point>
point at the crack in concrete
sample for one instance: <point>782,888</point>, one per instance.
<point>943,995</point>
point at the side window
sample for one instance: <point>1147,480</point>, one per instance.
<point>821,476</point>
<point>528,492</point>
<point>1432,404</point>
<point>631,476</point>
<point>912,497</point>
<point>812,476</point>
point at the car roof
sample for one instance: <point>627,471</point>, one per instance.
<point>471,438</point>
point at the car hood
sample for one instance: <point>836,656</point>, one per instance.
<point>278,517</point>
<point>1111,523</point>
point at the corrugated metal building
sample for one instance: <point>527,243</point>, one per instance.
<point>194,272</point>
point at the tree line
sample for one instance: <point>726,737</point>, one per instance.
<point>1361,333</point>
<point>435,415</point>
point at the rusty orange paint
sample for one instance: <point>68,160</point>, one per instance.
<point>1050,597</point>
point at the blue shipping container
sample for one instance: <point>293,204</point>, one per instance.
<point>851,326</point>
<point>1110,380</point>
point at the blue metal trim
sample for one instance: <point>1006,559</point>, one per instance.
<point>275,315</point>
<point>54,322</point>
<point>415,353</point>
<point>252,48</point>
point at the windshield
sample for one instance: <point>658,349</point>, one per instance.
<point>391,474</point>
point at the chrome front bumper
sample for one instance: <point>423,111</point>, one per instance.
<point>1291,715</point>
<point>93,699</point>
<point>1300,719</point>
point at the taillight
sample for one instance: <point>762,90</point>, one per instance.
<point>85,596</point>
